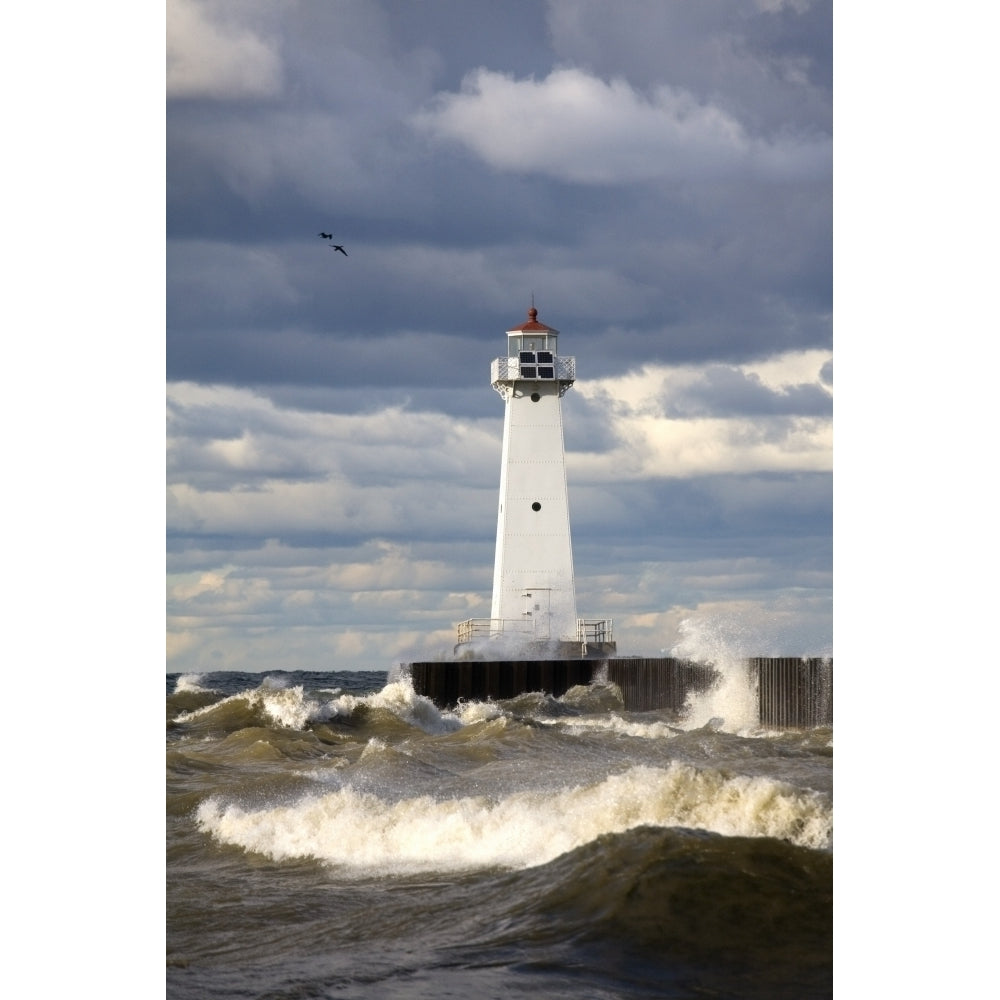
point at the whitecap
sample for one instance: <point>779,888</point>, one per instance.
<point>361,831</point>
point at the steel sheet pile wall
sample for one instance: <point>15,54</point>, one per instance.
<point>476,680</point>
<point>650,684</point>
<point>794,692</point>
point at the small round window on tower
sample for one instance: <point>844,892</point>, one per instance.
<point>535,397</point>
<point>536,506</point>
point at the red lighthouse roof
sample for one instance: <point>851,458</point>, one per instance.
<point>532,326</point>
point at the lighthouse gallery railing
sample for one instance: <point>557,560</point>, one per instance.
<point>507,369</point>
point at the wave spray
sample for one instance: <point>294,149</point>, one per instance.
<point>731,703</point>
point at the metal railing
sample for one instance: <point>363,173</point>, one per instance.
<point>593,630</point>
<point>508,369</point>
<point>588,630</point>
<point>493,628</point>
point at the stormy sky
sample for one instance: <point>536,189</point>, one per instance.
<point>655,174</point>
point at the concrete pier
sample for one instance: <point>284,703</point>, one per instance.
<point>792,692</point>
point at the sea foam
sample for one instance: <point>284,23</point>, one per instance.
<point>190,682</point>
<point>359,831</point>
<point>290,707</point>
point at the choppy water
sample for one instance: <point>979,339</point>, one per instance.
<point>336,835</point>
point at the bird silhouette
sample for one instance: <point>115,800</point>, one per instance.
<point>337,247</point>
<point>327,236</point>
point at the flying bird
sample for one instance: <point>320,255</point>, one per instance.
<point>327,236</point>
<point>337,247</point>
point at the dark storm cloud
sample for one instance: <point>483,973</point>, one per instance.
<point>745,511</point>
<point>768,63</point>
<point>723,391</point>
<point>252,182</point>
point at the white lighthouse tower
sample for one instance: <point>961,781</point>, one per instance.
<point>534,592</point>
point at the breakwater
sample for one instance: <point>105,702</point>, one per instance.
<point>791,692</point>
<point>446,682</point>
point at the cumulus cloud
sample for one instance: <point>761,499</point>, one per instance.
<point>577,127</point>
<point>240,465</point>
<point>282,607</point>
<point>211,56</point>
<point>685,421</point>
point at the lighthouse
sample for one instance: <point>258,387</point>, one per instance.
<point>534,590</point>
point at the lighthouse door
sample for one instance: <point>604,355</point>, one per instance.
<point>537,610</point>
